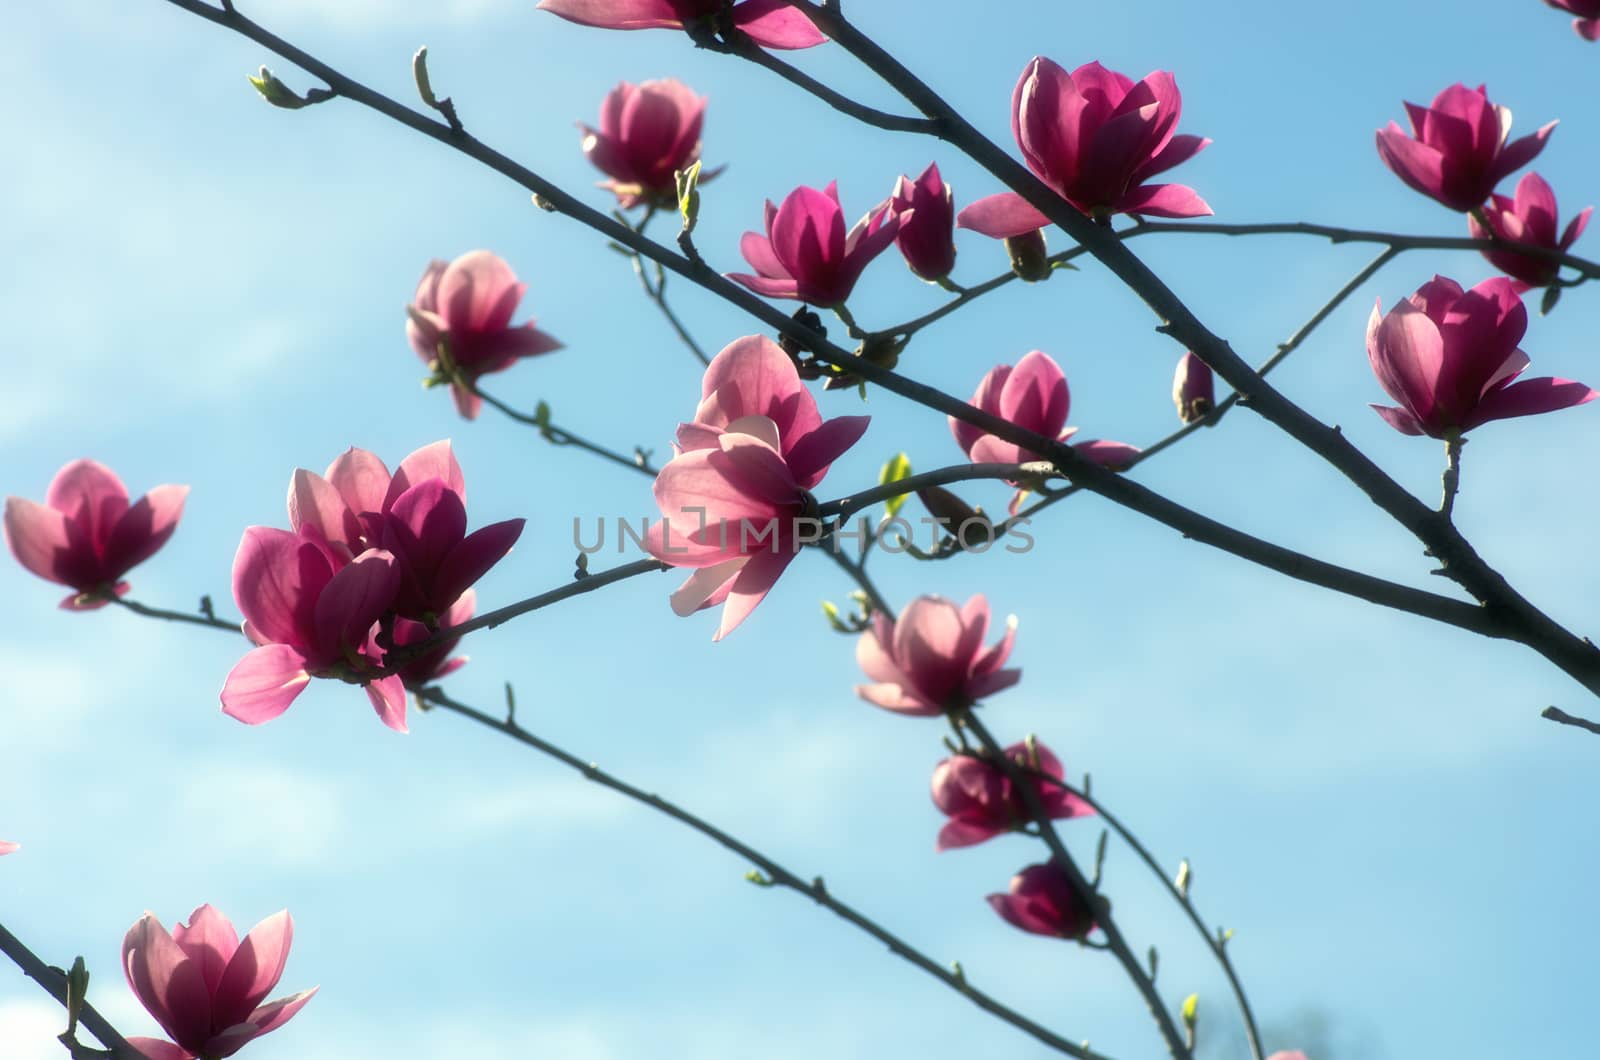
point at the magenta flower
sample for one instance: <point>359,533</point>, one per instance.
<point>86,535</point>
<point>435,664</point>
<point>1528,218</point>
<point>926,213</point>
<point>1457,152</point>
<point>806,254</point>
<point>932,658</point>
<point>464,308</point>
<point>1193,390</point>
<point>1449,358</point>
<point>770,23</point>
<point>1033,395</point>
<point>736,501</point>
<point>204,986</point>
<point>8,847</point>
<point>982,803</point>
<point>1587,24</point>
<point>1043,901</point>
<point>419,516</point>
<point>309,614</point>
<point>1094,136</point>
<point>647,133</point>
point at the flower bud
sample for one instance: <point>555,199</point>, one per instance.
<point>1028,257</point>
<point>1192,389</point>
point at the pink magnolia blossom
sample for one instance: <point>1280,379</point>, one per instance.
<point>982,803</point>
<point>736,498</point>
<point>8,847</point>
<point>310,614</point>
<point>807,255</point>
<point>1530,218</point>
<point>932,658</point>
<point>418,515</point>
<point>466,305</point>
<point>206,987</point>
<point>647,133</point>
<point>770,23</point>
<point>86,535</point>
<point>1043,901</point>
<point>1288,1054</point>
<point>1193,389</point>
<point>1033,395</point>
<point>1587,24</point>
<point>1449,357</point>
<point>926,212</point>
<point>1095,137</point>
<point>434,664</point>
<point>1457,151</point>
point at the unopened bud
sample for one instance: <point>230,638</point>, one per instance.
<point>1029,259</point>
<point>1192,389</point>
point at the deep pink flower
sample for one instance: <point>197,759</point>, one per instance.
<point>770,23</point>
<point>1094,136</point>
<point>1042,900</point>
<point>647,133</point>
<point>736,499</point>
<point>1033,395</point>
<point>926,211</point>
<point>982,803</point>
<point>309,614</point>
<point>8,847</point>
<point>418,515</point>
<point>1449,358</point>
<point>1587,24</point>
<point>1458,152</point>
<point>1528,218</point>
<point>86,535</point>
<point>1193,389</point>
<point>467,305</point>
<point>932,658</point>
<point>204,986</point>
<point>436,663</point>
<point>806,254</point>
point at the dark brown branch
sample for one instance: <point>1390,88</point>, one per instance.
<point>1556,714</point>
<point>774,873</point>
<point>54,982</point>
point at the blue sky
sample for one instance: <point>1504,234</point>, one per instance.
<point>210,291</point>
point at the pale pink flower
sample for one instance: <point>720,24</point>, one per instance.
<point>86,535</point>
<point>466,305</point>
<point>932,658</point>
<point>647,133</point>
<point>205,987</point>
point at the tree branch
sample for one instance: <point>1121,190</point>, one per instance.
<point>54,982</point>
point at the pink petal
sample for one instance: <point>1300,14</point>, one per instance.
<point>767,288</point>
<point>699,588</point>
<point>388,699</point>
<point>1419,165</point>
<point>144,528</point>
<point>1164,200</point>
<point>474,556</point>
<point>276,579</point>
<point>1406,351</point>
<point>1001,216</point>
<point>263,684</point>
<point>274,1014</point>
<point>1531,397</point>
<point>431,461</point>
<point>91,496</point>
<point>774,24</point>
<point>353,600</point>
<point>1116,456</point>
<point>899,699</point>
<point>255,969</point>
<point>615,14</point>
<point>314,501</point>
<point>751,586</point>
<point>37,537</point>
<point>961,833</point>
<point>1400,419</point>
<point>812,454</point>
<point>209,940</point>
<point>166,982</point>
<point>361,479</point>
<point>157,1049</point>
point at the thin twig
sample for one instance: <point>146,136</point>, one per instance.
<point>657,293</point>
<point>747,49</point>
<point>1556,714</point>
<point>774,873</point>
<point>209,620</point>
<point>561,436</point>
<point>845,507</point>
<point>54,982</point>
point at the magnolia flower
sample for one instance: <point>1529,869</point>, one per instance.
<point>770,23</point>
<point>932,658</point>
<point>309,615</point>
<point>736,501</point>
<point>1458,152</point>
<point>1587,24</point>
<point>1042,900</point>
<point>1033,395</point>
<point>647,133</point>
<point>1530,218</point>
<point>204,986</point>
<point>1095,137</point>
<point>1193,390</point>
<point>8,847</point>
<point>806,254</point>
<point>1449,357</point>
<point>435,664</point>
<point>926,213</point>
<point>461,317</point>
<point>981,801</point>
<point>86,535</point>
